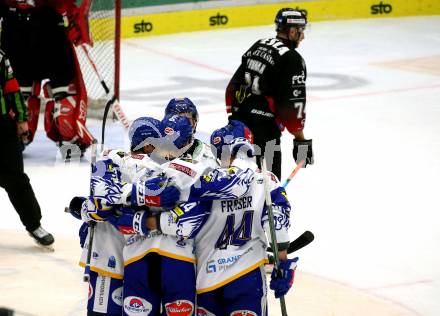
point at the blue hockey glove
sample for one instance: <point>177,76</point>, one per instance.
<point>130,222</point>
<point>154,192</point>
<point>302,150</point>
<point>83,232</point>
<point>281,281</point>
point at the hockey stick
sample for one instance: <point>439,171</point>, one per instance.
<point>104,85</point>
<point>272,228</point>
<point>303,240</point>
<point>294,172</point>
<point>86,277</point>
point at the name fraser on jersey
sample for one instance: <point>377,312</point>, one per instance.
<point>235,205</point>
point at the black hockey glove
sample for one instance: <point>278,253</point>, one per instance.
<point>75,206</point>
<point>302,150</point>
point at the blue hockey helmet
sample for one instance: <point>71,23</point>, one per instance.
<point>231,139</point>
<point>288,17</point>
<point>181,106</point>
<point>177,132</point>
<point>142,131</point>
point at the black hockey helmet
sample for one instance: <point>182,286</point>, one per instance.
<point>288,17</point>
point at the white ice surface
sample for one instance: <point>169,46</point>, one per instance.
<point>372,197</point>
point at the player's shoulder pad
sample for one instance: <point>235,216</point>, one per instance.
<point>222,174</point>
<point>114,154</point>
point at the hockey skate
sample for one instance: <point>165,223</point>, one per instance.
<point>72,151</point>
<point>43,238</point>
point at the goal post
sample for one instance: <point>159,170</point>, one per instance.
<point>100,61</point>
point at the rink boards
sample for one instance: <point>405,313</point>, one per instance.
<point>141,22</point>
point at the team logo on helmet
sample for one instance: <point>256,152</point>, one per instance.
<point>179,308</point>
<point>169,131</point>
<point>216,140</point>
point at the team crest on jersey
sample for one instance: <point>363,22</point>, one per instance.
<point>243,313</point>
<point>134,305</point>
<point>203,312</point>
<point>179,308</point>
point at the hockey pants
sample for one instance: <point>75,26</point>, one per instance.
<point>246,295</point>
<point>159,285</point>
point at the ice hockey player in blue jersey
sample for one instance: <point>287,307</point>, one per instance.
<point>230,238</point>
<point>160,269</point>
<point>110,190</point>
<point>159,274</point>
<point>185,107</point>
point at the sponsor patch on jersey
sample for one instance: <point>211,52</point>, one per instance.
<point>137,306</point>
<point>207,178</point>
<point>117,296</point>
<point>211,267</point>
<point>90,291</point>
<point>183,169</point>
<point>65,110</point>
<point>111,262</point>
<point>179,308</point>
<point>243,313</point>
<point>137,156</point>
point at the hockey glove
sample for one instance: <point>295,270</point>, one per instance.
<point>83,232</point>
<point>76,205</point>
<point>92,210</point>
<point>154,192</point>
<point>106,170</point>
<point>302,150</point>
<point>130,222</point>
<point>76,22</point>
<point>282,279</point>
<point>107,187</point>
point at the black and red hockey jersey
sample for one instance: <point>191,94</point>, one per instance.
<point>268,92</point>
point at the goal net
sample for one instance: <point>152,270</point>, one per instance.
<point>100,61</point>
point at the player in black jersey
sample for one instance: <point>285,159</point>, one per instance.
<point>268,90</point>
